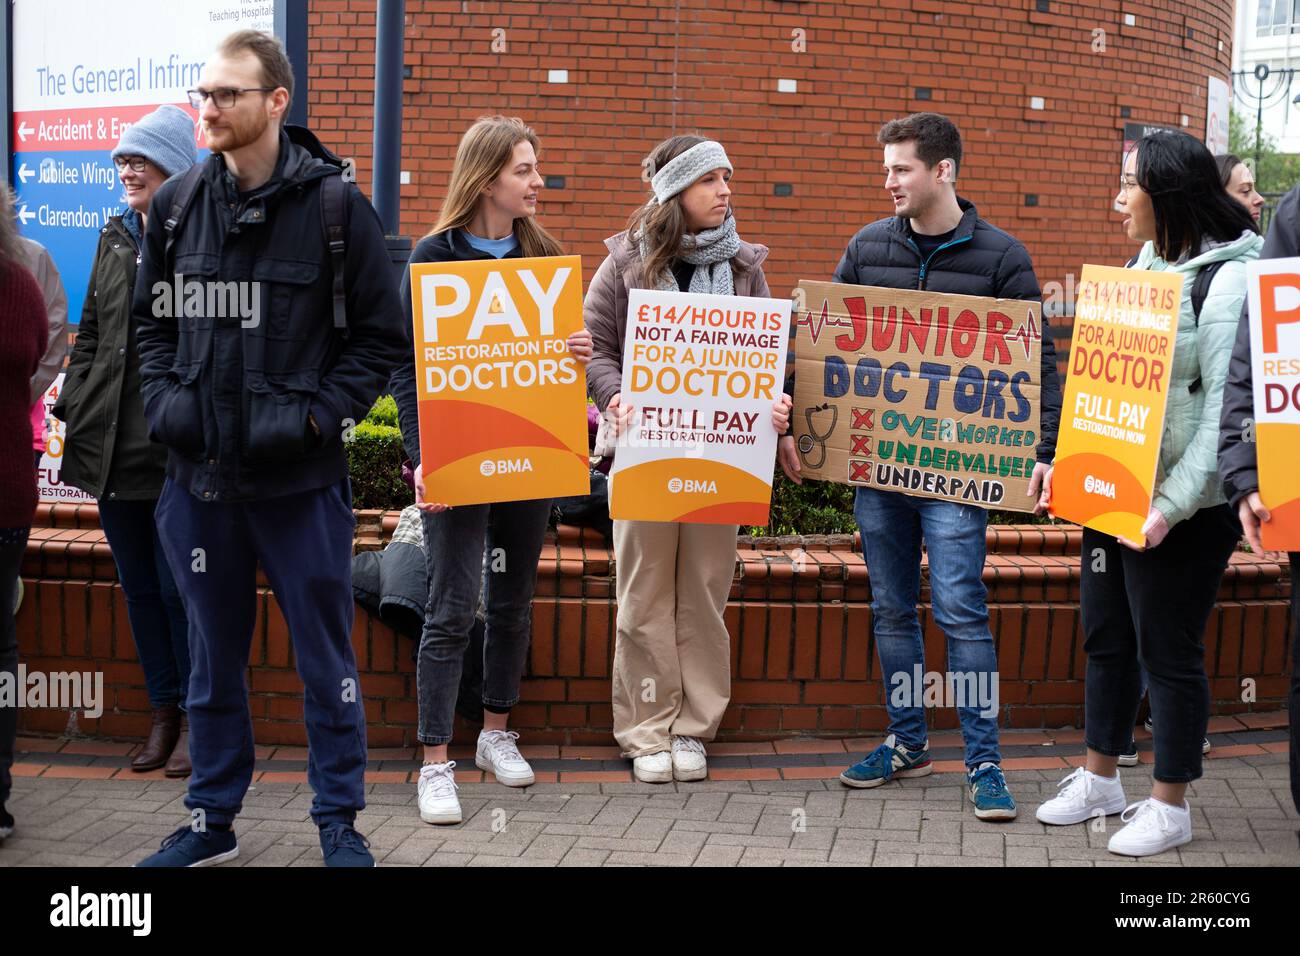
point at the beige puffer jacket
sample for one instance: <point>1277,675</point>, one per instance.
<point>605,309</point>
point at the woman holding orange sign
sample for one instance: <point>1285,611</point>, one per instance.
<point>1149,603</point>
<point>672,658</point>
<point>489,213</point>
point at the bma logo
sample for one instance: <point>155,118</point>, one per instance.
<point>691,486</point>
<point>1096,486</point>
<point>504,466</point>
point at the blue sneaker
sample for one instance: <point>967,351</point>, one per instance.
<point>886,762</point>
<point>342,845</point>
<point>188,847</point>
<point>989,793</point>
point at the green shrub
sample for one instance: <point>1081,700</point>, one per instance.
<point>384,412</point>
<point>375,464</point>
<point>815,507</point>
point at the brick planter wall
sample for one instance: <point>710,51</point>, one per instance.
<point>802,657</point>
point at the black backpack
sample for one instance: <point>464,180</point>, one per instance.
<point>333,214</point>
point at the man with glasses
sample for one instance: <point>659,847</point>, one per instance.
<point>254,408</point>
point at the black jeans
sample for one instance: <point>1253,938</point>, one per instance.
<point>1151,608</point>
<point>13,542</point>
<point>454,543</point>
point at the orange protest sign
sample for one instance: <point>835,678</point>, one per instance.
<point>502,401</point>
<point>1113,413</point>
<point>1273,292</point>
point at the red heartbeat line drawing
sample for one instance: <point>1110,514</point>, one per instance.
<point>815,323</point>
<point>1028,329</point>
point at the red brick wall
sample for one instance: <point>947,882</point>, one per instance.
<point>801,656</point>
<point>639,71</point>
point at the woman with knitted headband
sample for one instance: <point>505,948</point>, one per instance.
<point>672,659</point>
<point>489,213</point>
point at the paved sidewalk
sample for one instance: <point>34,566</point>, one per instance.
<point>1242,815</point>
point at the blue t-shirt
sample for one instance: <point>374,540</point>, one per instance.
<point>493,247</point>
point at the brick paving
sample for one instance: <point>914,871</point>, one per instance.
<point>74,809</point>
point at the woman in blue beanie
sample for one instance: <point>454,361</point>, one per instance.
<point>107,449</point>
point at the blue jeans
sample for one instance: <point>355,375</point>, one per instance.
<point>512,533</point>
<point>893,526</point>
<point>153,604</point>
<point>303,542</point>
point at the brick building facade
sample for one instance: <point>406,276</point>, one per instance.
<point>1041,90</point>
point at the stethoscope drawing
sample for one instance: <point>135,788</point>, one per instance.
<point>814,440</point>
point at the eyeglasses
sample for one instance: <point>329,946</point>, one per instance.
<point>1126,184</point>
<point>138,163</point>
<point>223,98</point>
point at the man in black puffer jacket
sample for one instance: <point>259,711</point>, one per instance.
<point>938,243</point>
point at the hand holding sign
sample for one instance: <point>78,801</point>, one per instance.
<point>1112,417</point>
<point>700,374</point>
<point>927,394</point>
<point>429,506</point>
<point>500,349</point>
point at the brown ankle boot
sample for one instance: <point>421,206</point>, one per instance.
<point>178,764</point>
<point>162,739</point>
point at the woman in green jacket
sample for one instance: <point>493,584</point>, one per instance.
<point>1150,603</point>
<point>107,451</point>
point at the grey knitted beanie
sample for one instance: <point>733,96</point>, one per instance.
<point>165,137</point>
<point>687,167</point>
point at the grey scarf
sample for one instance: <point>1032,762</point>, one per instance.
<point>711,252</point>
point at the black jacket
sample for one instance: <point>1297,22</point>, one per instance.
<point>979,260</point>
<point>449,246</point>
<point>106,450</point>
<point>231,402</point>
<point>1238,466</point>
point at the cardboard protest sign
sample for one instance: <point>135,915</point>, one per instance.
<point>49,484</point>
<point>701,373</point>
<point>929,394</point>
<point>1273,290</point>
<point>502,401</point>
<point>1113,413</point>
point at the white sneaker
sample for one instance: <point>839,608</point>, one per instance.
<point>498,753</point>
<point>1153,827</point>
<point>1083,795</point>
<point>437,790</point>
<point>688,759</point>
<point>653,768</point>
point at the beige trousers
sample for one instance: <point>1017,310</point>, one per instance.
<point>672,655</point>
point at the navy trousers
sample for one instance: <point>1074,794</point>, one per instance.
<point>304,544</point>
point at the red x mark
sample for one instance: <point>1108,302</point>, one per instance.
<point>859,470</point>
<point>862,418</point>
<point>861,445</point>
